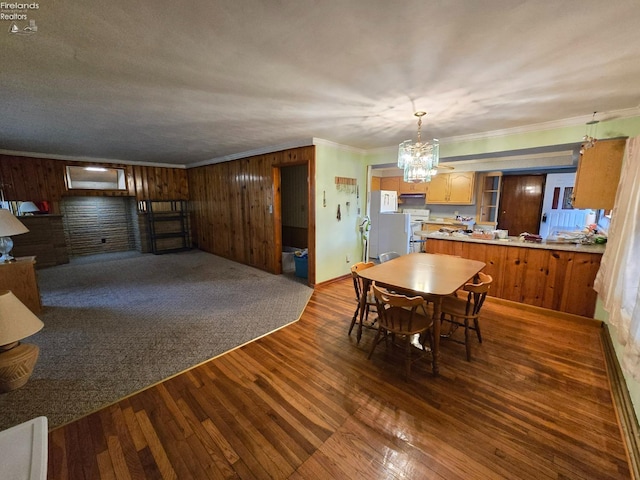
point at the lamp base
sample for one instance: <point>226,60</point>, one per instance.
<point>6,245</point>
<point>16,366</point>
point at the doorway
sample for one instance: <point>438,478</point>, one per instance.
<point>293,218</point>
<point>521,203</point>
<point>558,213</point>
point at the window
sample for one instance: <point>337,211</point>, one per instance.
<point>95,178</point>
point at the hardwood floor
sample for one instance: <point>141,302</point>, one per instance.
<point>305,403</point>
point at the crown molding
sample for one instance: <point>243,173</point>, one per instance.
<point>340,146</point>
<point>71,158</point>
<point>254,152</point>
<point>552,125</point>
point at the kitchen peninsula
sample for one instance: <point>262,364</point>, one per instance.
<point>557,276</point>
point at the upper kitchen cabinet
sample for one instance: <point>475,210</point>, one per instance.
<point>451,188</point>
<point>598,175</point>
<point>413,187</point>
<point>489,198</point>
<point>390,183</point>
<point>375,184</point>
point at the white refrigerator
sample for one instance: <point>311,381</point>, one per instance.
<point>390,231</point>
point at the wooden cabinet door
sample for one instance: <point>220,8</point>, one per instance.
<point>438,189</point>
<point>413,187</point>
<point>461,188</point>
<point>390,183</point>
<point>598,175</point>
<point>375,184</point>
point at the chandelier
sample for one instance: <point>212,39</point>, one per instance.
<point>420,159</point>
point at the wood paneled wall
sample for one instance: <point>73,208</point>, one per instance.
<point>43,179</point>
<point>231,205</point>
<point>554,279</point>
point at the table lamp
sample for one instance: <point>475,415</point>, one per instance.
<point>27,208</point>
<point>9,225</point>
<point>16,359</point>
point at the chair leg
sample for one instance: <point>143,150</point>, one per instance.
<point>407,348</point>
<point>353,320</point>
<point>375,342</point>
<point>467,344</point>
<point>477,324</point>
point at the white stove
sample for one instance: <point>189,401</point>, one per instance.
<point>417,217</point>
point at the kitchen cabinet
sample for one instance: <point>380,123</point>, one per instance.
<point>375,184</point>
<point>390,183</point>
<point>598,175</point>
<point>489,199</point>
<point>413,187</point>
<point>538,275</point>
<point>451,188</point>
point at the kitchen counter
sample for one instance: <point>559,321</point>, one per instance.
<point>557,276</point>
<point>515,242</point>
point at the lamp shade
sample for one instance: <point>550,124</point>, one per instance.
<point>27,207</point>
<point>10,225</point>
<point>16,320</point>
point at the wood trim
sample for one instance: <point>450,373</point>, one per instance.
<point>546,312</point>
<point>333,280</point>
<point>623,406</point>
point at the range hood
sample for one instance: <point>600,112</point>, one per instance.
<point>412,195</point>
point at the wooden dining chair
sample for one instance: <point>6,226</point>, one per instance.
<point>400,316</point>
<point>460,311</point>
<point>359,290</point>
<point>386,256</point>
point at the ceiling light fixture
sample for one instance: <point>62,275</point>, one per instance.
<point>589,140</point>
<point>420,159</point>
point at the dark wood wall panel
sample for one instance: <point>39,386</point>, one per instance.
<point>231,205</point>
<point>42,179</point>
<point>554,279</point>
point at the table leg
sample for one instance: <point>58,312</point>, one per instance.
<point>437,308</point>
<point>366,285</point>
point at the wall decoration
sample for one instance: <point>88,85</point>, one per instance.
<point>347,185</point>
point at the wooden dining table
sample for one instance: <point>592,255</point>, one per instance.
<point>431,276</point>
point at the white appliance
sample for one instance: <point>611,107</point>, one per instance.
<point>383,201</point>
<point>390,232</point>
<point>417,217</point>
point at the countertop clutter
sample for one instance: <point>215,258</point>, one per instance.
<point>548,244</point>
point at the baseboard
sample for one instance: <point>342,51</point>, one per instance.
<point>333,280</point>
<point>546,312</point>
<point>622,403</point>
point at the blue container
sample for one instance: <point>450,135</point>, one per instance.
<point>302,266</point>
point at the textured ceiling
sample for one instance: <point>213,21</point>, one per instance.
<point>186,82</point>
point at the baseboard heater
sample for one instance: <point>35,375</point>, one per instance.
<point>622,403</point>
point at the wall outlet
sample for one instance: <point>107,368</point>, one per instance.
<point>348,258</point>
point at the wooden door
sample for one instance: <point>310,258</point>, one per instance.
<point>521,203</point>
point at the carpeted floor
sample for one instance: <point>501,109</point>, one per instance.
<point>117,323</point>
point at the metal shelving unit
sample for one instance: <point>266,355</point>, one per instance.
<point>168,225</point>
